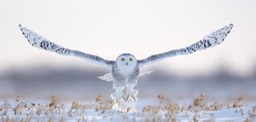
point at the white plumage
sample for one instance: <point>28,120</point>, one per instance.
<point>125,70</point>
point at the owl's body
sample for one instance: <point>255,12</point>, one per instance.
<point>125,73</point>
<point>125,70</point>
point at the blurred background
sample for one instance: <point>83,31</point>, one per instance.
<point>111,27</point>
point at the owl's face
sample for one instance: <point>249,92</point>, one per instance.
<point>126,62</point>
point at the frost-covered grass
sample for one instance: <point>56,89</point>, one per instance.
<point>155,108</point>
<point>157,101</point>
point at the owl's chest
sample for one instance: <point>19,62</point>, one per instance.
<point>125,74</point>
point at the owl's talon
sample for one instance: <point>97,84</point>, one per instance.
<point>118,95</point>
<point>133,97</point>
<point>132,93</point>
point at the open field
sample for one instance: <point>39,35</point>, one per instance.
<point>160,108</point>
<point>166,101</point>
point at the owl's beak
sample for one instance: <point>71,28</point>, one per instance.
<point>126,63</point>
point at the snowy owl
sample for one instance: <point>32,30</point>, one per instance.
<point>125,70</point>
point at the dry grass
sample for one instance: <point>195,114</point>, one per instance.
<point>102,104</point>
<point>166,110</point>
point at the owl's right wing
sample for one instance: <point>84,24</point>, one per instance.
<point>40,42</point>
<point>211,40</point>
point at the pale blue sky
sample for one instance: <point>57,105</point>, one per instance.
<point>110,27</point>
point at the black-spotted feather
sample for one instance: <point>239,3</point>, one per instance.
<point>211,40</point>
<point>40,42</point>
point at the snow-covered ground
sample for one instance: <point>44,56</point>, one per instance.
<point>165,101</point>
<point>160,108</point>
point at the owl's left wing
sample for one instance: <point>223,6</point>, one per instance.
<point>40,42</point>
<point>211,40</point>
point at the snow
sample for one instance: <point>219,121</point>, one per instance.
<point>165,101</point>
<point>66,110</point>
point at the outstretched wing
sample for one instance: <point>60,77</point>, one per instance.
<point>40,42</point>
<point>208,41</point>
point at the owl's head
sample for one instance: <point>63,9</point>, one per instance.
<point>126,61</point>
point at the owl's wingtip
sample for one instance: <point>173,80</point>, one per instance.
<point>231,25</point>
<point>20,26</point>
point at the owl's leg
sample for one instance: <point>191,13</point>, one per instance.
<point>119,94</point>
<point>131,92</point>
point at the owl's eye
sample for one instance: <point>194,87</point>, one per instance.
<point>130,59</point>
<point>122,59</point>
